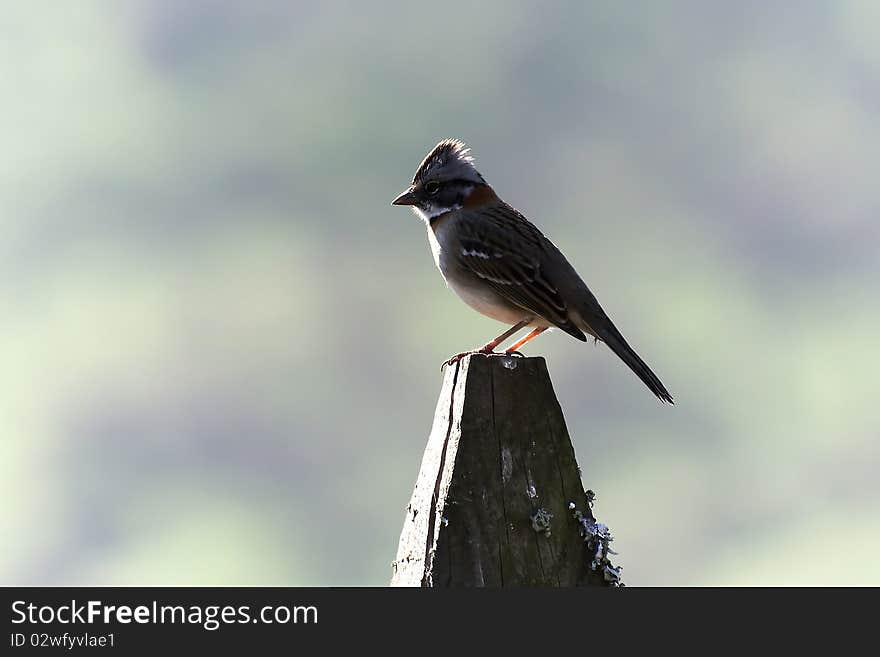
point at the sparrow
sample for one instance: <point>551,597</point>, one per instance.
<point>501,265</point>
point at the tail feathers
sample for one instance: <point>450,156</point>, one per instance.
<point>612,337</point>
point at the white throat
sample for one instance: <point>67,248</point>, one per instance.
<point>432,211</point>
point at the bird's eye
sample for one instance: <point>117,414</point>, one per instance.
<point>432,187</point>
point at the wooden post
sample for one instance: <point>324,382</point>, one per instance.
<point>499,500</point>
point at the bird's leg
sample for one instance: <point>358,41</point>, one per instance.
<point>489,347</point>
<point>531,336</point>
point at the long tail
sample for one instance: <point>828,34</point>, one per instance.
<point>609,334</point>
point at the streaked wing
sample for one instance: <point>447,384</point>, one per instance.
<point>505,250</point>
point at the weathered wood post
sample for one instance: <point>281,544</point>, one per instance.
<point>499,499</point>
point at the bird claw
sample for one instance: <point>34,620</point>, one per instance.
<point>454,360</point>
<point>486,351</point>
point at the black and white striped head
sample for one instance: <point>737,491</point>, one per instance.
<point>443,180</point>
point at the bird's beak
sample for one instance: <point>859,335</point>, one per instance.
<point>407,198</point>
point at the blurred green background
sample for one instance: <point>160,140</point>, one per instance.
<point>220,344</point>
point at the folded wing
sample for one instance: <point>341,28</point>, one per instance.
<point>492,254</point>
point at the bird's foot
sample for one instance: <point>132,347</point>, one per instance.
<point>486,350</point>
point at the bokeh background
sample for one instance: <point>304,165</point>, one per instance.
<point>220,346</point>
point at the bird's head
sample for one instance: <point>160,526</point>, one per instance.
<point>443,180</point>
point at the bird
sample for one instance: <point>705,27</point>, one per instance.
<point>501,265</point>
